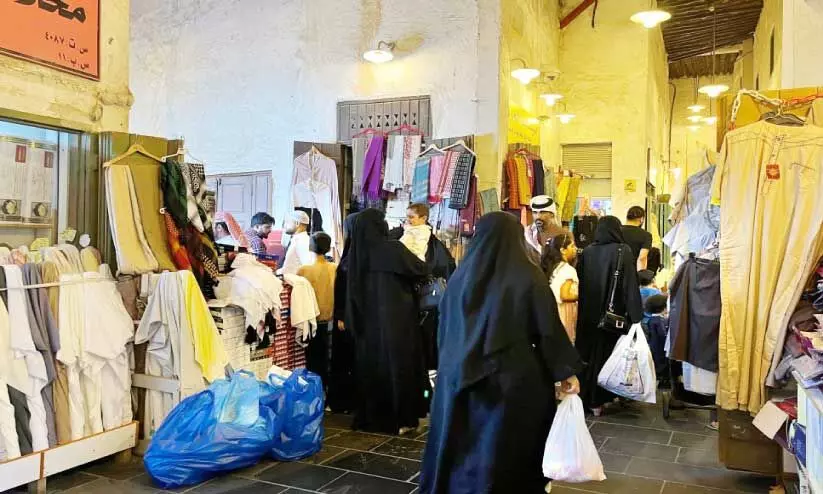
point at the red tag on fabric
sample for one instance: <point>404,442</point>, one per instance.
<point>773,171</point>
<point>20,154</point>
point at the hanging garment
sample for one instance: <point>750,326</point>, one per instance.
<point>489,201</point>
<point>193,210</point>
<point>513,184</point>
<point>314,185</point>
<point>359,146</point>
<point>394,173</point>
<point>304,308</point>
<point>697,221</point>
<point>471,213</point>
<point>9,442</point>
<point>411,148</point>
<point>174,193</point>
<point>195,177</point>
<point>461,181</point>
<point>71,321</point>
<point>768,183</point>
<point>16,375</point>
<point>420,185</point>
<point>550,181</point>
<point>452,158</point>
<point>105,375</point>
<point>46,339</point>
<point>373,168</point>
<point>570,205</point>
<point>694,313</point>
<point>24,349</point>
<point>179,254</point>
<point>524,188</point>
<point>90,258</point>
<point>539,186</point>
<point>437,170</point>
<point>134,256</point>
<point>562,195</point>
<point>145,174</point>
<point>60,388</point>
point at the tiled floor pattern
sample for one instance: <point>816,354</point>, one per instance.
<point>641,452</point>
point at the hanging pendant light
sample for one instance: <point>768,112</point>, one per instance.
<point>525,74</point>
<point>710,120</point>
<point>565,117</point>
<point>694,118</point>
<point>696,107</point>
<point>713,90</point>
<point>551,98</point>
<point>651,18</point>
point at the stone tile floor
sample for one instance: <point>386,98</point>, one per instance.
<point>641,452</point>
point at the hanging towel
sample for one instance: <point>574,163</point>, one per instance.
<point>420,185</point>
<point>411,149</point>
<point>145,174</point>
<point>373,168</point>
<point>134,256</point>
<point>393,178</point>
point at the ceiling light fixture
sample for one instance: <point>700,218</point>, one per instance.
<point>651,18</point>
<point>694,118</point>
<point>565,117</point>
<point>696,108</point>
<point>551,98</point>
<point>710,120</point>
<point>713,90</point>
<point>694,128</point>
<point>383,53</point>
<point>525,74</point>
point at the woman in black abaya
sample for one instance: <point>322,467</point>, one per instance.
<point>341,388</point>
<point>381,311</point>
<point>502,348</point>
<point>595,269</point>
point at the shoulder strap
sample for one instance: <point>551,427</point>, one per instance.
<point>616,278</point>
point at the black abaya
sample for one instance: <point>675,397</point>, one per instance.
<point>595,269</point>
<point>502,348</point>
<point>341,387</point>
<point>382,312</point>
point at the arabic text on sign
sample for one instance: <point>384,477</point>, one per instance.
<point>59,6</point>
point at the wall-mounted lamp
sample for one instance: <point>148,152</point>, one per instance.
<point>525,74</point>
<point>383,53</point>
<point>651,18</point>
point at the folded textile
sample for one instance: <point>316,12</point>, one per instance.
<point>304,308</point>
<point>134,256</point>
<point>252,286</point>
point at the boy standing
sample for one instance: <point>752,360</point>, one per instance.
<point>321,275</point>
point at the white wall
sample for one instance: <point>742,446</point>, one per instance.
<point>802,43</point>
<point>242,80</point>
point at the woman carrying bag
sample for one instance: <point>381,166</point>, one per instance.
<point>609,305</point>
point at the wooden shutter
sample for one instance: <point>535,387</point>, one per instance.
<point>594,160</point>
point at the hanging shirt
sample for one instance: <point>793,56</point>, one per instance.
<point>298,254</point>
<point>394,176</point>
<point>314,186</point>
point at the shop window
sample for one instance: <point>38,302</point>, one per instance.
<point>34,166</point>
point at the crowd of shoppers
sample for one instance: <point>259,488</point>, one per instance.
<point>521,320</point>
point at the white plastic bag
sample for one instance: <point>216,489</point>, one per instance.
<point>570,454</point>
<point>629,371</point>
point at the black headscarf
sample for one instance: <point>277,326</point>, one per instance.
<point>498,299</point>
<point>368,249</point>
<point>609,231</point>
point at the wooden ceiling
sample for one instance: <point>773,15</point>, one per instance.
<point>701,66</point>
<point>689,32</point>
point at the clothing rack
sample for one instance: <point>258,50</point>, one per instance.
<point>58,283</point>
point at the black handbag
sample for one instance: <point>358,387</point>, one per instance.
<point>431,293</point>
<point>611,321</point>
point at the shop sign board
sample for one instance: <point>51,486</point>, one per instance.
<point>630,185</point>
<point>63,34</point>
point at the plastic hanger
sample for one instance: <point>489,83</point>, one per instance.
<point>133,149</point>
<point>461,142</point>
<point>429,149</point>
<point>181,151</point>
<point>408,128</point>
<point>367,132</point>
<point>780,118</point>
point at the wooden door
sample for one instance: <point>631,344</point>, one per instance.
<point>242,194</point>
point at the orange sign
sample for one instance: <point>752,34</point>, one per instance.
<point>64,34</point>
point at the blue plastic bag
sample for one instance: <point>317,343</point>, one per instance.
<point>299,410</point>
<point>225,427</point>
